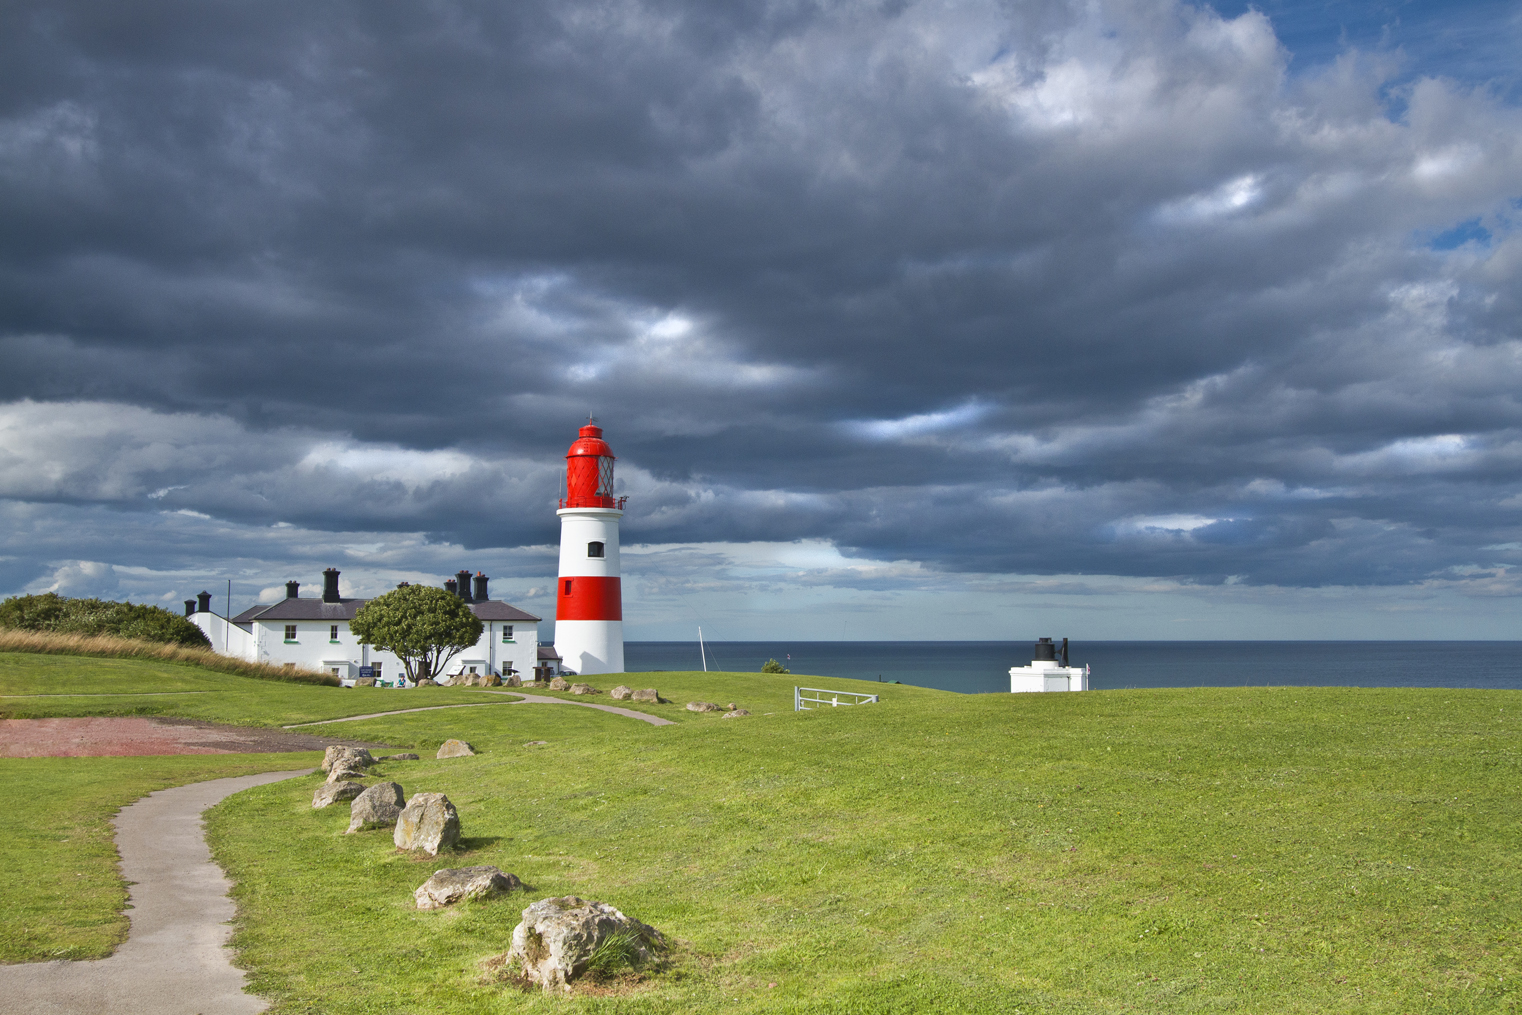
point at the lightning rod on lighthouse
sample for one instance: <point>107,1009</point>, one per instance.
<point>589,607</point>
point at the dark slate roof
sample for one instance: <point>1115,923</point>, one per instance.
<point>493,609</point>
<point>344,609</point>
<point>548,652</point>
<point>306,609</point>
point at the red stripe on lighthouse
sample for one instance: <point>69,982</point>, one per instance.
<point>589,597</point>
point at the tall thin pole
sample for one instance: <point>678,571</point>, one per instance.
<point>702,650</point>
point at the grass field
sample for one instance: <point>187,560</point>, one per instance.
<point>48,686</point>
<point>1251,849</point>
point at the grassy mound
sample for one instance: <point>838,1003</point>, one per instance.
<point>57,614</point>
<point>106,646</point>
<point>1283,850</point>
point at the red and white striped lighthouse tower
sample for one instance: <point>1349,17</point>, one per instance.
<point>589,608</point>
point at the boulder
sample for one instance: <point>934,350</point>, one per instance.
<point>454,884</point>
<point>704,706</point>
<point>648,694</point>
<point>584,689</point>
<point>345,773</point>
<point>736,713</point>
<point>621,693</point>
<point>491,680</point>
<point>557,939</point>
<point>455,749</point>
<point>429,822</point>
<point>513,681</point>
<point>404,757</point>
<point>365,682</point>
<point>359,756</point>
<point>535,743</point>
<point>560,684</point>
<point>333,792</point>
<point>427,682</point>
<point>377,807</point>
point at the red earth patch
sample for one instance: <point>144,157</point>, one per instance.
<point>134,735</point>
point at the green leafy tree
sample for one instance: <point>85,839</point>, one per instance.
<point>61,615</point>
<point>423,626</point>
<point>773,666</point>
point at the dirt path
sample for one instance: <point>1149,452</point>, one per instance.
<point>523,699</point>
<point>122,736</point>
<point>174,961</point>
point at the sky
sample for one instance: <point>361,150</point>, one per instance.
<point>906,320</point>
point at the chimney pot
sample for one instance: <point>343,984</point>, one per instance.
<point>292,590</point>
<point>330,585</point>
<point>462,585</point>
<point>449,586</point>
<point>190,607</point>
<point>203,602</point>
<point>481,581</point>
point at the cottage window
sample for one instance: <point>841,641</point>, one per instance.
<point>594,548</point>
<point>290,632</point>
<point>333,633</point>
<point>507,633</point>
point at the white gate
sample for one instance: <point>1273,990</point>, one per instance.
<point>805,698</point>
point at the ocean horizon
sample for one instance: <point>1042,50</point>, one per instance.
<point>982,667</point>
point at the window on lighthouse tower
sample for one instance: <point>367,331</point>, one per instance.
<point>594,549</point>
<point>604,477</point>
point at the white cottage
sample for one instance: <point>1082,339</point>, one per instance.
<point>315,633</point>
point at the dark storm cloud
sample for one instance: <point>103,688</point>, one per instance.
<point>1037,288</point>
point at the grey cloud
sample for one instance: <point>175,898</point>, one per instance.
<point>973,285</point>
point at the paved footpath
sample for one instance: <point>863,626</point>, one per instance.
<point>175,960</point>
<point>523,699</point>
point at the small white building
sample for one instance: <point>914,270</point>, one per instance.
<point>314,633</point>
<point>1048,671</point>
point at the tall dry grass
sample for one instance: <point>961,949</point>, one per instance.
<point>107,646</point>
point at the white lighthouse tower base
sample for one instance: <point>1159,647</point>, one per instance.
<point>590,646</point>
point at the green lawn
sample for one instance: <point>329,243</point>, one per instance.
<point>1251,849</point>
<point>1254,850</point>
<point>758,692</point>
<point>46,686</point>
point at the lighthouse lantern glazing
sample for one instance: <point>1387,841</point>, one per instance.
<point>589,607</point>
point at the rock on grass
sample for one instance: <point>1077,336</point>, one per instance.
<point>334,792</point>
<point>354,757</point>
<point>455,749</point>
<point>377,807</point>
<point>429,822</point>
<point>561,939</point>
<point>454,884</point>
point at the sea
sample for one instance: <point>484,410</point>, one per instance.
<point>981,667</point>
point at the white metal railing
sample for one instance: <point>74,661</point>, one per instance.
<point>803,702</point>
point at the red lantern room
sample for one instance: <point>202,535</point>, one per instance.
<point>589,472</point>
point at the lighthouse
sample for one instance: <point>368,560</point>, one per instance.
<point>589,604</point>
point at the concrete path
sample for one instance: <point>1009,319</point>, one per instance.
<point>523,699</point>
<point>174,961</point>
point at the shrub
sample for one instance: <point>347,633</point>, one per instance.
<point>773,666</point>
<point>60,615</point>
